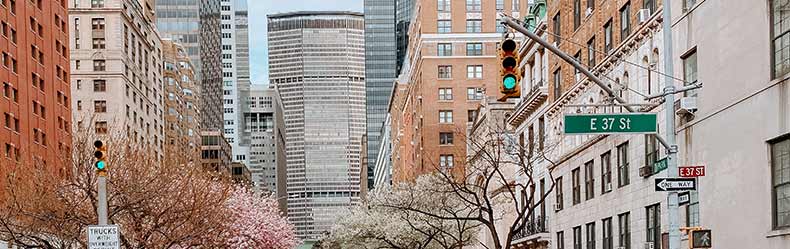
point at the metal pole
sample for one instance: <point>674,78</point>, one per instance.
<point>669,108</point>
<point>101,207</point>
<point>507,20</point>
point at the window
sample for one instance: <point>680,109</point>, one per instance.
<point>474,93</point>
<point>444,49</point>
<point>446,138</point>
<point>446,161</point>
<point>591,4</point>
<point>474,71</point>
<point>445,94</point>
<point>622,165</point>
<point>445,117</point>
<point>651,150</point>
<point>97,24</point>
<point>557,28</point>
<point>443,5</point>
<point>557,84</point>
<point>99,65</point>
<point>99,85</point>
<point>589,180</point>
<point>780,160</point>
<point>444,26</point>
<point>500,5</point>
<point>98,43</point>
<point>624,231</point>
<point>101,127</point>
<point>472,5</point>
<point>96,3</point>
<point>516,4</point>
<point>445,72</point>
<point>560,240</point>
<point>607,233</point>
<point>474,26</point>
<point>79,105</point>
<point>653,231</point>
<point>474,49</point>
<point>100,106</point>
<point>559,195</point>
<point>687,4</point>
<point>607,36</point>
<point>576,73</point>
<point>690,71</point>
<point>577,237</point>
<point>577,14</point>
<point>625,21</point>
<point>591,52</point>
<point>606,172</point>
<point>692,210</point>
<point>577,195</point>
<point>471,116</point>
<point>590,235</point>
<point>651,5</point>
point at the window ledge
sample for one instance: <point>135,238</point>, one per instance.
<point>778,233</point>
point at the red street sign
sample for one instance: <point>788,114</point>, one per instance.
<point>691,171</point>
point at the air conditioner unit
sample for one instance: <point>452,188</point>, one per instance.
<point>557,207</point>
<point>419,97</point>
<point>608,187</point>
<point>649,245</point>
<point>645,171</point>
<point>644,15</point>
<point>687,105</point>
<point>589,11</point>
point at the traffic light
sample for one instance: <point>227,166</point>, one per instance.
<point>509,72</point>
<point>101,156</point>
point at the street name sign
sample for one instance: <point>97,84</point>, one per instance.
<point>691,171</point>
<point>642,123</point>
<point>684,198</point>
<point>701,239</point>
<point>676,184</point>
<point>104,237</point>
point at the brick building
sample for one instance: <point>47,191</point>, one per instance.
<point>35,77</point>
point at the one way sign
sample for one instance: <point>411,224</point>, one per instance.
<point>676,184</point>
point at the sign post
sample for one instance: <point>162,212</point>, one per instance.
<point>676,184</point>
<point>104,237</point>
<point>644,123</point>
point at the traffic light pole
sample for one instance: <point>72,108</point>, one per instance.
<point>101,207</point>
<point>669,102</point>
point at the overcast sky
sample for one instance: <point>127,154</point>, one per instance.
<point>258,9</point>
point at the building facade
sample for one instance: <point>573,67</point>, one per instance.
<point>196,25</point>
<point>37,54</point>
<point>116,79</point>
<point>259,127</point>
<point>215,153</point>
<point>323,98</point>
<point>182,116</point>
<point>235,75</point>
<point>452,51</point>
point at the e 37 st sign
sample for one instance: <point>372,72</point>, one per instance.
<point>691,171</point>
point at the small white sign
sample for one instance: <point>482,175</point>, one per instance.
<point>104,237</point>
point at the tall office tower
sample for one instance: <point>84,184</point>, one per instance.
<point>35,102</point>
<point>182,124</point>
<point>235,75</point>
<point>452,56</point>
<point>404,12</point>
<point>196,25</point>
<point>380,67</point>
<point>116,82</point>
<point>317,63</point>
<point>259,128</point>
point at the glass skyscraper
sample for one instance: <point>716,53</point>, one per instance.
<point>195,25</point>
<point>386,41</point>
<point>317,63</point>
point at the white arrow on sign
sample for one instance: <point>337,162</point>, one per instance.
<point>676,184</point>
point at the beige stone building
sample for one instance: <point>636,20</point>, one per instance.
<point>182,124</point>
<point>116,80</point>
<point>452,57</point>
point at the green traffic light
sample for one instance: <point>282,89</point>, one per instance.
<point>510,82</point>
<point>101,165</point>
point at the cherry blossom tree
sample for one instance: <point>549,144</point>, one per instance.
<point>256,222</point>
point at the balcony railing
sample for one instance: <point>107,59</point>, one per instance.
<point>530,102</point>
<point>533,226</point>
